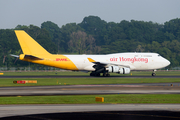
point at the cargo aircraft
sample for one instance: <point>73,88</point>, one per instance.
<point>121,63</point>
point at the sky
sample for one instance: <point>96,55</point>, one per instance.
<point>61,12</point>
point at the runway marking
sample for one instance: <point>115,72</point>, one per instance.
<point>111,85</point>
<point>166,108</point>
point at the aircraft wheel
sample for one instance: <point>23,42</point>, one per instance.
<point>153,74</point>
<point>107,75</point>
<point>91,74</point>
<point>97,74</point>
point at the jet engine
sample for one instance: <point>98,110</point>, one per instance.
<point>117,69</point>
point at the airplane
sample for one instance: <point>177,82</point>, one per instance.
<point>121,63</point>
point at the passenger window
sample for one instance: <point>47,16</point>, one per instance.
<point>147,55</point>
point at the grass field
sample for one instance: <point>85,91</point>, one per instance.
<point>79,81</point>
<point>84,81</point>
<point>73,73</point>
<point>90,99</point>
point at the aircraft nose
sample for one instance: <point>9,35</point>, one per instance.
<point>166,62</point>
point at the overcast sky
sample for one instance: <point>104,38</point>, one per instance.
<point>61,12</point>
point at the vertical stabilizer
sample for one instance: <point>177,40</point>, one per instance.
<point>28,44</point>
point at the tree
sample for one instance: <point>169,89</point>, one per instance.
<point>81,43</point>
<point>8,44</point>
<point>55,34</point>
<point>66,31</point>
<point>95,26</point>
<point>94,36</point>
<point>139,48</point>
<point>173,26</point>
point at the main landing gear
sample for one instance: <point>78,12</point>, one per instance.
<point>94,74</point>
<point>98,74</point>
<point>106,74</point>
<point>154,74</point>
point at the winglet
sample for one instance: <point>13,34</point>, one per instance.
<point>91,60</point>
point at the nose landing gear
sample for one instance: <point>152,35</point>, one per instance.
<point>154,74</point>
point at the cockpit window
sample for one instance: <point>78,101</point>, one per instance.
<point>159,56</point>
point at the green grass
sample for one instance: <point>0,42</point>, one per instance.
<point>84,81</point>
<point>90,99</point>
<point>68,73</point>
<point>93,80</point>
<point>42,73</point>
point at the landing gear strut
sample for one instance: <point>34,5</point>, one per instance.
<point>154,74</point>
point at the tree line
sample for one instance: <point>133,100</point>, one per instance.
<point>96,36</point>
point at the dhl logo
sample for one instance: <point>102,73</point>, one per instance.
<point>62,59</point>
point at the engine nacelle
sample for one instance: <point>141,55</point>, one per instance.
<point>124,70</point>
<point>113,69</point>
<point>117,69</point>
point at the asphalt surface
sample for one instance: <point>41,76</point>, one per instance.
<point>91,111</point>
<point>97,115</point>
<point>145,88</point>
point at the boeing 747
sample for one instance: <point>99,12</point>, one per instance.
<point>121,63</point>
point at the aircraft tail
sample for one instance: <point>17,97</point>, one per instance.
<point>28,45</point>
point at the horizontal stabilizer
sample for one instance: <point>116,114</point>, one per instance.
<point>32,57</point>
<point>14,55</point>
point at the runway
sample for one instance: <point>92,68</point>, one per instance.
<point>145,88</point>
<point>91,111</point>
<point>80,76</point>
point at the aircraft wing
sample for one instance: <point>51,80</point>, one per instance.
<point>104,64</point>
